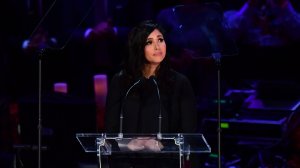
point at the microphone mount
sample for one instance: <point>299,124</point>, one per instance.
<point>120,135</point>
<point>159,136</point>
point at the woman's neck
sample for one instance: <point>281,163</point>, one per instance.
<point>149,70</point>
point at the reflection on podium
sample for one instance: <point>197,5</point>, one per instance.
<point>144,144</point>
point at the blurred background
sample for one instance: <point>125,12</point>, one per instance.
<point>69,50</point>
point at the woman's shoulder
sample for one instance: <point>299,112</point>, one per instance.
<point>117,77</point>
<point>119,74</point>
<point>178,75</point>
<point>122,78</point>
<point>180,80</point>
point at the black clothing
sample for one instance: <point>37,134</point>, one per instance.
<point>141,107</point>
<point>141,112</point>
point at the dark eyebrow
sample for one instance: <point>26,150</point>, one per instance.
<point>159,36</point>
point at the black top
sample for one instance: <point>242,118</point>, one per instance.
<point>142,106</point>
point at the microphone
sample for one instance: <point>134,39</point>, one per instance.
<point>122,107</point>
<point>159,136</point>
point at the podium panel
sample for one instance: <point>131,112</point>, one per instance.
<point>113,143</point>
<point>110,144</point>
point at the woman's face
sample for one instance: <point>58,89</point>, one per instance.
<point>155,49</point>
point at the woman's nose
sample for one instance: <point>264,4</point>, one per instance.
<point>156,46</point>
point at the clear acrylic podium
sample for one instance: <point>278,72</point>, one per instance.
<point>108,144</point>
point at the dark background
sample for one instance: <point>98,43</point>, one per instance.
<point>271,72</point>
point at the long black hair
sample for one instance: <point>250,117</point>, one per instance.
<point>135,60</point>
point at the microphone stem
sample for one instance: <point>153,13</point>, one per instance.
<point>122,108</point>
<point>159,126</point>
<point>121,126</point>
<point>160,115</point>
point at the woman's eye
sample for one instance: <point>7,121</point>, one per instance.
<point>148,42</point>
<point>161,40</point>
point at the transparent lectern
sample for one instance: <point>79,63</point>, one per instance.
<point>108,144</point>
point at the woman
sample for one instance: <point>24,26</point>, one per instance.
<point>148,88</point>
